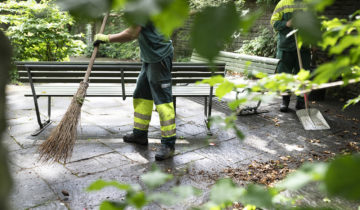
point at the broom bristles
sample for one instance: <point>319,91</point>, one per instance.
<point>60,144</point>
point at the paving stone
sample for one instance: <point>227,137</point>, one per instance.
<point>84,132</point>
<point>88,149</point>
<point>22,129</point>
<point>113,160</point>
<point>192,129</point>
<point>58,205</point>
<point>10,143</point>
<point>29,190</point>
<point>25,158</point>
<point>85,167</point>
<point>53,172</point>
<point>100,152</point>
<point>228,152</point>
<point>79,198</point>
<point>118,119</point>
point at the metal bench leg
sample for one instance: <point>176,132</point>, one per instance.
<point>46,123</point>
<point>37,110</point>
<point>208,113</point>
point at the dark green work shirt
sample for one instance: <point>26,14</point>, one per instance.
<point>153,46</point>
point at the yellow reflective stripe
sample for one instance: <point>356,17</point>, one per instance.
<point>141,121</point>
<point>143,106</point>
<point>166,111</point>
<point>168,122</point>
<point>140,126</point>
<point>142,116</point>
<point>168,127</point>
<point>284,6</point>
<point>169,133</point>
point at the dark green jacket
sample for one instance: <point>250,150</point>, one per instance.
<point>282,13</point>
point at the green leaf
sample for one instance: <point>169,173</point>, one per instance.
<point>171,17</point>
<point>343,177</point>
<point>213,80</point>
<point>118,4</point>
<point>224,88</point>
<point>100,184</point>
<point>345,43</point>
<point>224,192</point>
<point>303,176</point>
<point>309,27</point>
<point>319,5</point>
<point>111,205</point>
<point>137,199</point>
<point>233,105</point>
<point>212,28</point>
<point>175,196</point>
<point>258,196</point>
<point>84,9</point>
<point>352,102</point>
<point>247,21</point>
<point>155,178</point>
<point>303,75</point>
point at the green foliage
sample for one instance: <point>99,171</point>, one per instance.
<point>172,17</point>
<point>343,177</point>
<point>138,198</point>
<point>341,38</point>
<point>262,45</point>
<point>39,31</point>
<point>352,102</point>
<point>267,2</point>
<point>124,51</point>
<point>155,179</point>
<point>200,4</point>
<point>209,27</point>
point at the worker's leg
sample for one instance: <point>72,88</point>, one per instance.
<point>159,76</point>
<point>143,105</point>
<point>286,65</point>
<point>306,59</point>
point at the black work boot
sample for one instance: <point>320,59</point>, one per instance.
<point>300,104</point>
<point>166,151</point>
<point>131,138</point>
<point>285,104</point>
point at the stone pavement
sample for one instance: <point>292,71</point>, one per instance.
<point>101,153</point>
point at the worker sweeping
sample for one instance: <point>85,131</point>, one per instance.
<point>281,20</point>
<point>153,85</point>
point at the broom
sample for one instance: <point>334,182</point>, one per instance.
<point>60,144</point>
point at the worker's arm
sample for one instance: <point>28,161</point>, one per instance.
<point>276,20</point>
<point>126,35</point>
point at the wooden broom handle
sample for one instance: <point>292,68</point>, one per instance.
<point>96,48</point>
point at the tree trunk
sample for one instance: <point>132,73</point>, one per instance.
<point>5,179</point>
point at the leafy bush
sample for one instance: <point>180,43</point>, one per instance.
<point>125,51</point>
<point>263,45</point>
<point>39,31</point>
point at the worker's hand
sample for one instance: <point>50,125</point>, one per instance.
<point>101,38</point>
<point>289,23</point>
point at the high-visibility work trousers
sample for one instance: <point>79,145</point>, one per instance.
<point>154,86</point>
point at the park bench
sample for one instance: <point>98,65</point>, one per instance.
<point>244,64</point>
<point>109,79</point>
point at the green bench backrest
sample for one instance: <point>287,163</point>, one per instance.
<point>109,72</point>
<point>240,62</point>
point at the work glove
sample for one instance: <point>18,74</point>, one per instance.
<point>101,38</point>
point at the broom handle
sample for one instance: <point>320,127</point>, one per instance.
<point>96,48</point>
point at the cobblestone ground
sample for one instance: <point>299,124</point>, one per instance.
<point>101,153</point>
